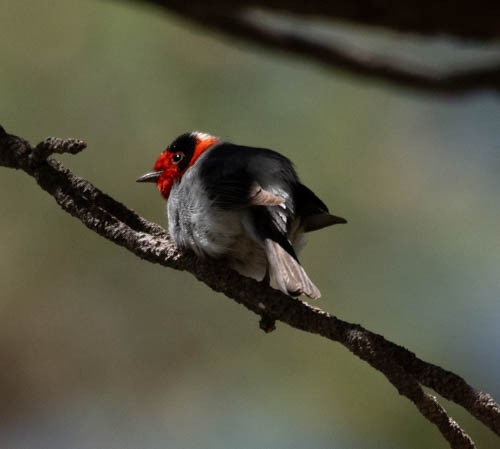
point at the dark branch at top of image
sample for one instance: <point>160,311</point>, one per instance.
<point>235,19</point>
<point>461,18</point>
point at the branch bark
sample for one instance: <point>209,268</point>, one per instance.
<point>117,223</point>
<point>234,18</point>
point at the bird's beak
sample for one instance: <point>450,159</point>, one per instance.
<point>149,177</point>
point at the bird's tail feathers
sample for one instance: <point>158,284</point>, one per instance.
<point>321,220</point>
<point>286,274</point>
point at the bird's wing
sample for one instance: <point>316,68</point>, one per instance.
<point>285,272</point>
<point>257,196</point>
<point>236,177</point>
<point>264,181</point>
<point>314,213</point>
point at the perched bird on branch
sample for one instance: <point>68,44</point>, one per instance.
<point>242,203</point>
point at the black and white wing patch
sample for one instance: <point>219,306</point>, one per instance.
<point>257,196</point>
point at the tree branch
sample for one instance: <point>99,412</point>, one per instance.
<point>117,223</point>
<point>235,19</point>
<point>460,18</point>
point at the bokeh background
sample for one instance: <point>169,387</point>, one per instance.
<point>99,349</point>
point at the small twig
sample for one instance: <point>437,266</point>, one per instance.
<point>53,145</point>
<point>149,241</point>
<point>267,324</point>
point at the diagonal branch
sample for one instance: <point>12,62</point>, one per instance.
<point>241,23</point>
<point>117,223</point>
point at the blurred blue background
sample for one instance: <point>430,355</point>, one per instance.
<point>99,349</point>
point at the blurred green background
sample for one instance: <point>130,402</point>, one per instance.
<point>99,349</point>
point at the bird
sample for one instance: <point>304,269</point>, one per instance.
<point>243,204</point>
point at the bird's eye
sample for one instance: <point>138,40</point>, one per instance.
<point>177,157</point>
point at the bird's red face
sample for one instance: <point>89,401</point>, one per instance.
<point>172,163</point>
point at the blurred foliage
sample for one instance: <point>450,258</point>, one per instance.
<point>101,349</point>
